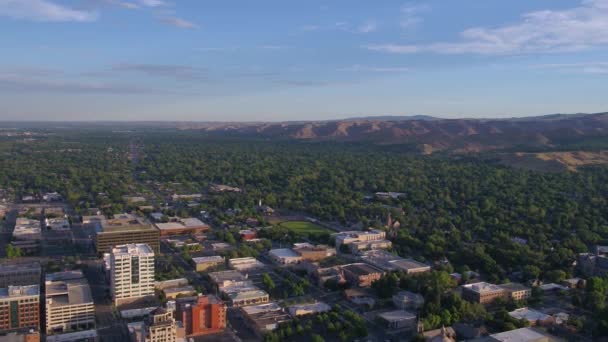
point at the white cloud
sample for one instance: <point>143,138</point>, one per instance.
<point>178,22</point>
<point>368,27</point>
<point>43,10</point>
<point>546,31</point>
<point>151,3</point>
<point>362,68</point>
<point>410,14</point>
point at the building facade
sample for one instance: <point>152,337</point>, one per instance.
<point>125,229</point>
<point>482,292</point>
<point>131,273</point>
<point>20,307</point>
<point>69,303</point>
<point>20,274</point>
<point>361,275</point>
<point>202,315</point>
<point>160,327</point>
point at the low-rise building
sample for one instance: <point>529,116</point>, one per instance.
<point>248,234</point>
<point>313,253</point>
<point>27,229</point>
<point>167,284</point>
<point>521,335</point>
<point>360,296</point>
<point>345,238</point>
<point>30,335</point>
<point>245,264</point>
<point>59,224</point>
<point>391,262</point>
<point>361,275</point>
<point>532,316</point>
<point>224,279</point>
<point>359,247</point>
<point>308,309</point>
<point>247,297</point>
<point>517,291</point>
<point>203,263</point>
<point>574,283</point>
<point>323,275</point>
<point>284,256</point>
<point>69,303</point>
<point>77,336</point>
<point>407,300</point>
<point>482,292</point>
<point>20,273</point>
<point>264,317</point>
<point>174,292</point>
<point>20,307</point>
<point>398,319</point>
<point>182,226</point>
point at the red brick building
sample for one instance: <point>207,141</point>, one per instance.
<point>20,307</point>
<point>202,315</point>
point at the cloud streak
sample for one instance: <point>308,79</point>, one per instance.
<point>178,72</point>
<point>178,22</point>
<point>43,11</point>
<point>28,83</point>
<point>547,31</point>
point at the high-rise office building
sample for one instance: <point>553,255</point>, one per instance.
<point>131,273</point>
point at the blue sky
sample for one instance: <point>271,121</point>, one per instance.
<point>273,60</point>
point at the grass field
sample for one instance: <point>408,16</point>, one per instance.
<point>305,227</point>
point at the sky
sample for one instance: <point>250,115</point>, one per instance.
<point>283,60</point>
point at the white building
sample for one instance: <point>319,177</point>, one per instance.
<point>245,264</point>
<point>308,309</point>
<point>131,272</point>
<point>408,300</point>
<point>27,229</point>
<point>345,238</point>
<point>69,303</point>
<point>284,256</point>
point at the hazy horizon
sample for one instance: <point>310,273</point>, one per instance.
<point>236,61</point>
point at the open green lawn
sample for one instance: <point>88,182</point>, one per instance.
<point>304,227</point>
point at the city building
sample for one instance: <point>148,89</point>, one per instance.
<point>159,326</point>
<point>203,263</point>
<point>532,316</point>
<point>125,229</point>
<point>77,336</point>
<point>398,319</point>
<point>407,300</point>
<point>361,275</point>
<point>20,274</point>
<point>345,238</point>
<point>248,234</point>
<point>30,335</point>
<point>247,297</point>
<point>313,253</point>
<point>227,278</point>
<point>391,262</point>
<point>284,256</point>
<point>202,315</point>
<point>323,275</point>
<point>308,309</point>
<point>131,272</point>
<point>167,284</point>
<point>27,229</point>
<point>264,317</point>
<point>359,247</point>
<point>574,283</point>
<point>520,335</point>
<point>174,292</point>
<point>59,224</point>
<point>20,307</point>
<point>69,303</point>
<point>482,292</point>
<point>245,264</point>
<point>360,296</point>
<point>182,226</point>
<point>517,291</point>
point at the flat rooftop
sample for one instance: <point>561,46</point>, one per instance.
<point>261,308</point>
<point>19,291</point>
<point>21,267</point>
<point>519,335</point>
<point>203,260</point>
<point>230,275</point>
<point>483,287</point>
<point>70,292</point>
<point>133,249</point>
<point>249,294</point>
<point>514,287</point>
<point>361,269</point>
<point>528,314</point>
<point>409,264</point>
<point>397,315</point>
<point>284,253</point>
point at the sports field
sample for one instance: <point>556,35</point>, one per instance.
<point>305,227</point>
